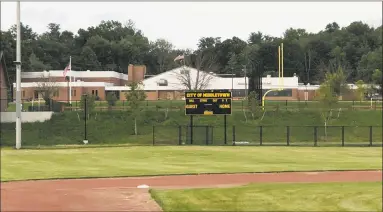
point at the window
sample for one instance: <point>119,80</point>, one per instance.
<point>163,82</point>
<point>95,92</point>
<point>36,95</point>
<point>23,93</point>
<point>184,71</point>
<point>73,93</point>
<point>56,93</point>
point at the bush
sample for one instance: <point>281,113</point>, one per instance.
<point>111,99</point>
<point>89,101</point>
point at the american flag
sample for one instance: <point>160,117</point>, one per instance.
<point>68,68</point>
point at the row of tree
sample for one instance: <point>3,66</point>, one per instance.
<point>112,45</point>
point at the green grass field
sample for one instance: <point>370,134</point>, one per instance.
<point>275,197</point>
<point>140,161</point>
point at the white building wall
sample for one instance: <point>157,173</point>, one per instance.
<point>10,117</point>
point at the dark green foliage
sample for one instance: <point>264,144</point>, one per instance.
<point>88,101</point>
<point>111,99</point>
<point>111,45</point>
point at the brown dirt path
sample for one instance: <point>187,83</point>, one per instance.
<point>122,194</point>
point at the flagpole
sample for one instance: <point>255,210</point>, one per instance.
<point>70,80</point>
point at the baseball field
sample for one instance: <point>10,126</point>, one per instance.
<point>192,178</point>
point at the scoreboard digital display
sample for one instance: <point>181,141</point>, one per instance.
<point>215,102</point>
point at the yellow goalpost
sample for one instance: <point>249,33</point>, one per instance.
<point>280,75</point>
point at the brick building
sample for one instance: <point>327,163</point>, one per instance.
<point>81,82</point>
<point>167,85</point>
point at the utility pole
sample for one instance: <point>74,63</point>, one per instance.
<point>18,80</point>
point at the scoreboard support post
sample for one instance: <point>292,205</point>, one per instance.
<point>191,129</point>
<point>225,128</point>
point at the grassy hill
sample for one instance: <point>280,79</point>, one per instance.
<point>117,127</point>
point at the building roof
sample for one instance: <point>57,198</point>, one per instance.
<point>79,74</point>
<point>175,79</point>
<point>65,84</point>
<point>171,80</point>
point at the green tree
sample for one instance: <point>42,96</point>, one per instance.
<point>377,79</point>
<point>253,104</point>
<point>361,90</point>
<point>111,99</point>
<point>328,100</point>
<point>135,97</point>
<point>87,100</point>
<point>337,82</point>
<point>47,88</point>
<point>89,59</point>
<point>36,64</point>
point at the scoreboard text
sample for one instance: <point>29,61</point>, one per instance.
<point>208,102</point>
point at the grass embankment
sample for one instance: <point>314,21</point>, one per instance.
<point>238,105</point>
<point>276,197</point>
<point>117,127</point>
<point>136,161</point>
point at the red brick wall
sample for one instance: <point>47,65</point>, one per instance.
<point>136,73</point>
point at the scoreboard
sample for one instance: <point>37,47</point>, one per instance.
<point>212,102</point>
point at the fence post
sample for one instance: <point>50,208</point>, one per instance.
<point>207,135</point>
<point>370,135</point>
<point>288,135</point>
<point>233,135</point>
<point>315,135</point>
<point>342,135</point>
<point>179,135</point>
<point>260,135</point>
<point>153,136</point>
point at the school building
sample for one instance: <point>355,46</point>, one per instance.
<point>168,85</point>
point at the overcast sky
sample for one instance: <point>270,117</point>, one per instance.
<point>184,23</point>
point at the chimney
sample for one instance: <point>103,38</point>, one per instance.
<point>136,73</point>
<point>130,73</point>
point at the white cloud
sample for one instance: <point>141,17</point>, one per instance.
<point>183,23</point>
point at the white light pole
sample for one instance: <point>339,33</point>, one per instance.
<point>18,80</point>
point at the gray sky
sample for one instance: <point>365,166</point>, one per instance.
<point>183,23</point>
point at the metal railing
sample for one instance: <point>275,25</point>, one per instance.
<point>75,132</point>
<point>269,135</point>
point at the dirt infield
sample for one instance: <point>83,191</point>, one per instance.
<point>122,194</point>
